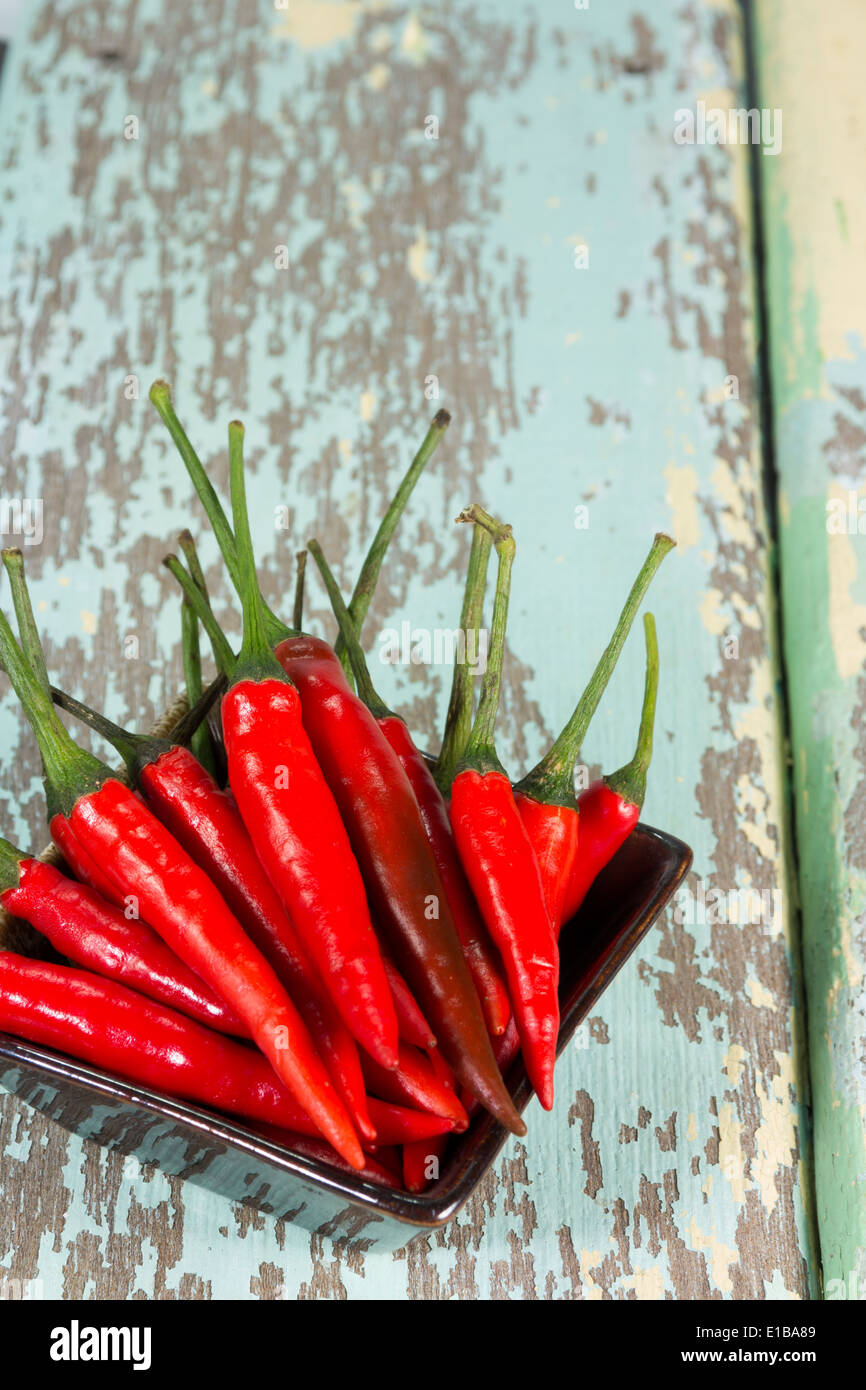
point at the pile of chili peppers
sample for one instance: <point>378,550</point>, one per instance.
<point>283,910</point>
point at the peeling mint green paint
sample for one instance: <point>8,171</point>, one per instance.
<point>820,412</point>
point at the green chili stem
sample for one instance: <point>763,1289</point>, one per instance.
<point>458,721</point>
<point>256,660</point>
<point>28,632</point>
<point>480,751</point>
<point>70,772</point>
<point>223,654</point>
<point>368,578</point>
<point>137,750</point>
<point>124,741</point>
<point>348,631</point>
<point>298,610</point>
<point>629,781</point>
<point>201,740</point>
<point>552,780</point>
<point>181,733</point>
<point>193,563</point>
<point>160,394</point>
<point>191,652</point>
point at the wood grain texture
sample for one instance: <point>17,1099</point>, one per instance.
<point>673,1163</point>
<point>815,231</point>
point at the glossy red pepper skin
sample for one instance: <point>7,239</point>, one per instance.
<point>390,1157</point>
<point>178,900</point>
<point>117,1029</point>
<point>293,821</point>
<point>395,1124</point>
<point>415,1084</point>
<point>606,821</point>
<point>398,1124</point>
<point>83,865</point>
<point>422,1157</point>
<point>94,934</point>
<point>412,1024</point>
<point>502,869</point>
<point>205,820</point>
<point>478,949</point>
<point>554,832</point>
<point>379,809</point>
<point>419,1158</point>
<point>506,1048</point>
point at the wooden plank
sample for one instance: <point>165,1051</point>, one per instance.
<point>673,1163</point>
<point>815,231</point>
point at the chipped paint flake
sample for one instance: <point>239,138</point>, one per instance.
<point>712,610</point>
<point>414,44</point>
<point>417,258</point>
<point>722,1256</point>
<point>682,498</point>
<point>761,997</point>
<point>317,23</point>
<point>732,1160</point>
<point>378,77</point>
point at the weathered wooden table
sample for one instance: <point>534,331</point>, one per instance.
<point>318,215</point>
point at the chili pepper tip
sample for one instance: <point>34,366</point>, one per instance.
<point>442,419</point>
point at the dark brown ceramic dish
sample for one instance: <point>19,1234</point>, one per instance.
<point>223,1156</point>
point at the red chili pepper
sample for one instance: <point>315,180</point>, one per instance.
<point>83,927</point>
<point>292,816</point>
<point>499,859</point>
<point>545,796</point>
<point>611,807</point>
<point>416,1085</point>
<point>177,899</point>
<point>405,886</point>
<point>477,947</point>
<point>206,822</point>
<point>115,1028</point>
<point>397,859</point>
<point>398,1124</point>
<point>378,806</point>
